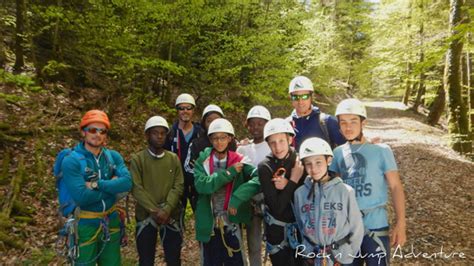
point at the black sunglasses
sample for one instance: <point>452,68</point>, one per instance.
<point>182,108</point>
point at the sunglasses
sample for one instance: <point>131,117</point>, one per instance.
<point>94,130</point>
<point>182,108</point>
<point>295,97</point>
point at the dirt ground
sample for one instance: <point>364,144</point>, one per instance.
<point>437,181</point>
<point>438,188</point>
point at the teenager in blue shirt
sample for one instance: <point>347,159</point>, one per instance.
<point>371,170</point>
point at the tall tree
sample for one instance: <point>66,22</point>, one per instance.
<point>421,82</point>
<point>439,102</point>
<point>458,124</point>
<point>20,28</point>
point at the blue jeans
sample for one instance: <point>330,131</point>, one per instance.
<point>369,252</point>
<point>215,252</point>
<point>170,239</point>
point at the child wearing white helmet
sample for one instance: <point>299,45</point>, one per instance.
<point>225,182</point>
<point>157,188</point>
<point>198,144</point>
<point>371,170</point>
<point>256,149</point>
<point>280,174</point>
<point>326,210</point>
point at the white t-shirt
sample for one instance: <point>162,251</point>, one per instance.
<point>255,152</point>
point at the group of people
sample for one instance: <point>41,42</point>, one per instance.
<point>311,187</point>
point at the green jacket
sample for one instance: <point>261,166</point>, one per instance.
<point>245,185</point>
<point>157,183</point>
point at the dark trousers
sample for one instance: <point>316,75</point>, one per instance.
<point>369,252</point>
<point>284,257</point>
<point>171,240</point>
<point>189,193</point>
<point>215,253</point>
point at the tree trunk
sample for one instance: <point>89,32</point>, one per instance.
<point>420,93</point>
<point>471,95</point>
<point>464,79</point>
<point>406,96</point>
<point>437,107</point>
<point>408,91</point>
<point>458,125</point>
<point>20,29</point>
<point>421,84</point>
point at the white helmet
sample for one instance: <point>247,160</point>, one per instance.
<point>351,107</point>
<point>277,125</point>
<point>212,108</point>
<point>185,98</point>
<point>300,83</point>
<point>314,146</point>
<point>156,121</point>
<point>220,125</point>
<point>259,111</point>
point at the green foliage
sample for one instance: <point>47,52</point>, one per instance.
<point>423,30</point>
<point>236,53</point>
<point>23,81</point>
<point>53,68</point>
<point>41,256</point>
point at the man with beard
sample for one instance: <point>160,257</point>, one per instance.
<point>94,177</point>
<point>182,133</point>
<point>307,119</point>
<point>157,187</point>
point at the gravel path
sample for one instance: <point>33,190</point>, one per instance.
<point>438,186</point>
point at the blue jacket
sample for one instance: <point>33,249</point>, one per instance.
<point>177,143</point>
<point>105,196</point>
<point>308,126</point>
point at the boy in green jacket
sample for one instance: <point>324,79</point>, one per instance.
<point>157,187</point>
<point>225,184</point>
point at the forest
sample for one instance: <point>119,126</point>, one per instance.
<point>133,58</point>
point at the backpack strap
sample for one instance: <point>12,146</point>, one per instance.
<point>347,155</point>
<point>82,162</point>
<point>323,118</point>
<point>110,160</point>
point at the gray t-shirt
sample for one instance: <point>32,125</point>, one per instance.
<point>218,198</point>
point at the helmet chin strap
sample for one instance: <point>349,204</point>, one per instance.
<point>358,138</point>
<point>321,178</point>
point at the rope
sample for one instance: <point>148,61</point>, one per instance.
<point>230,250</point>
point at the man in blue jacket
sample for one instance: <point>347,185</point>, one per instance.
<point>95,190</point>
<point>306,119</point>
<point>180,136</point>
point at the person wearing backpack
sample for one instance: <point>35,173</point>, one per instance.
<point>157,187</point>
<point>307,119</point>
<point>94,177</point>
<point>225,182</point>
<point>280,174</point>
<point>256,149</point>
<point>180,136</point>
<point>326,210</point>
<point>371,170</point>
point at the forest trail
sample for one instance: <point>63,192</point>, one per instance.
<point>437,184</point>
<point>438,187</point>
<point>437,181</point>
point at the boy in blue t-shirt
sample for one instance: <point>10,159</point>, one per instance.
<point>370,169</point>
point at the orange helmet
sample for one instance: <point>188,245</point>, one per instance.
<point>95,116</point>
